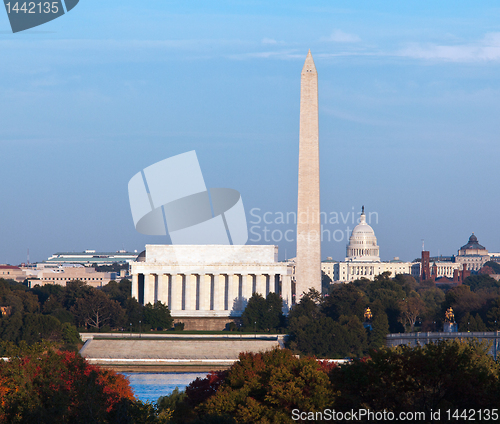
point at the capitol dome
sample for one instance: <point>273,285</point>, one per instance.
<point>363,243</point>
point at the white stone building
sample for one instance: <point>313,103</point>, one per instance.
<point>61,275</point>
<point>473,255</point>
<point>90,257</point>
<point>363,258</point>
<point>209,281</point>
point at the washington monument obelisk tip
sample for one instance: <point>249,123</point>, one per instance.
<point>308,268</point>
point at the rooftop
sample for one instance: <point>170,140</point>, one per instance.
<point>473,244</point>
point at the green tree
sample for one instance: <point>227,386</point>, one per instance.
<point>355,338</point>
<point>477,282</point>
<point>411,308</point>
<point>471,323</point>
<point>303,322</point>
<point>319,337</point>
<point>312,332</point>
<point>433,298</point>
<point>462,300</point>
<point>252,316</point>
<point>263,314</point>
<point>493,314</point>
<point>63,315</point>
<point>176,402</point>
<point>344,299</point>
<point>158,316</point>
<point>120,292</point>
<point>380,328</point>
<point>37,327</point>
<point>389,293</point>
<point>75,290</point>
<point>96,310</point>
<point>10,327</point>
<point>134,313</point>
<point>70,334</point>
<point>48,291</point>
<point>444,375</point>
<point>273,318</point>
<point>407,283</point>
<point>495,266</point>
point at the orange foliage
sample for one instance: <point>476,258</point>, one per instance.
<point>35,381</point>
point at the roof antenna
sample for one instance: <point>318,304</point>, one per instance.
<point>423,248</point>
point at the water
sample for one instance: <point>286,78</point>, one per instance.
<point>150,386</point>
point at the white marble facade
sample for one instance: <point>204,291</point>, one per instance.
<point>209,280</point>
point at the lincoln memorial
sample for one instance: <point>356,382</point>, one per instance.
<point>207,286</point>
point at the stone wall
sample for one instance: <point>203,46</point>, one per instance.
<point>206,324</point>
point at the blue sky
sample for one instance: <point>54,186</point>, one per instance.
<point>409,106</point>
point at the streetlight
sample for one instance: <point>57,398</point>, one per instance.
<point>255,328</point>
<point>130,330</point>
<point>140,329</point>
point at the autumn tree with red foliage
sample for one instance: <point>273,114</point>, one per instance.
<point>201,389</point>
<point>41,385</point>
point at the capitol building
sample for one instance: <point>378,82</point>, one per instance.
<point>363,258</point>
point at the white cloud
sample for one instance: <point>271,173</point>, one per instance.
<point>339,36</point>
<point>269,41</point>
<point>487,49</point>
<point>283,55</point>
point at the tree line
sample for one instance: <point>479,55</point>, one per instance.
<point>445,378</point>
<point>57,313</point>
<point>331,326</point>
<point>335,326</point>
<point>43,385</point>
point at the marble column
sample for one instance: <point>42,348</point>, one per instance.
<point>247,287</point>
<point>190,296</point>
<point>205,285</point>
<point>286,283</point>
<point>176,292</point>
<point>261,285</point>
<point>163,282</point>
<point>135,286</point>
<point>232,291</point>
<point>149,289</point>
<point>272,283</point>
<point>219,291</point>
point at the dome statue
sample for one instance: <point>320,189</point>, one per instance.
<point>362,245</point>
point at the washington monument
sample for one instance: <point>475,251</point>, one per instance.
<point>308,269</point>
